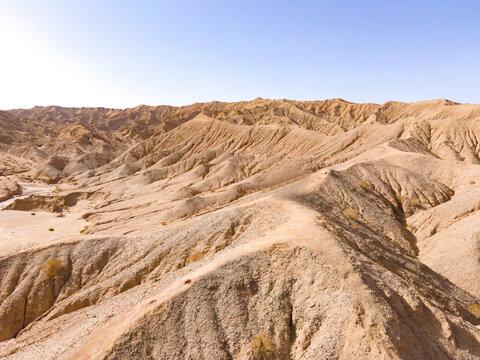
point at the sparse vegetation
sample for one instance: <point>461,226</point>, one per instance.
<point>194,257</point>
<point>263,348</point>
<point>188,259</point>
<point>400,198</point>
<point>474,309</point>
<point>362,184</point>
<point>188,281</point>
<point>52,267</point>
<point>48,180</point>
<point>414,203</point>
<point>51,229</point>
<point>351,213</point>
<point>221,246</point>
<point>32,213</point>
<point>84,229</point>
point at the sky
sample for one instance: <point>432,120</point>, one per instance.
<point>118,53</point>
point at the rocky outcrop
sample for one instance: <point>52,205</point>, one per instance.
<point>8,188</point>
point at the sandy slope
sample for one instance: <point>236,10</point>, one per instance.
<point>336,230</point>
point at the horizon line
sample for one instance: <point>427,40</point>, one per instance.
<point>233,102</point>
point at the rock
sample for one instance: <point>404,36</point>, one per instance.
<point>9,188</point>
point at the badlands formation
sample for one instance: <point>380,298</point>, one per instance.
<point>250,230</point>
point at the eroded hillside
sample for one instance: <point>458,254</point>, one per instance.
<point>303,230</point>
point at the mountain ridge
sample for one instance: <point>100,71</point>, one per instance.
<point>330,229</point>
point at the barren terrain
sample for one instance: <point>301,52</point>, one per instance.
<point>265,229</point>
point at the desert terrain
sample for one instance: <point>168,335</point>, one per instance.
<point>263,229</point>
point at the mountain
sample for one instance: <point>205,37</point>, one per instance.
<point>264,229</point>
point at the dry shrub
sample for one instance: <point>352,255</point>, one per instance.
<point>471,182</point>
<point>241,191</point>
<point>263,348</point>
<point>400,198</point>
<point>414,203</point>
<point>163,223</point>
<point>362,184</point>
<point>230,232</point>
<point>351,213</point>
<point>221,246</point>
<point>194,257</point>
<point>52,267</point>
<point>474,309</point>
<point>188,259</point>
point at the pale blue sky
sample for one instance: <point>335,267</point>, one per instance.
<point>125,53</point>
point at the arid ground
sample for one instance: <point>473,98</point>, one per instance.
<point>265,229</point>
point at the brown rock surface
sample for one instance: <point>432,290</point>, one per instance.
<point>326,229</point>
